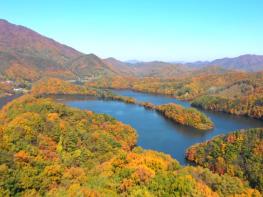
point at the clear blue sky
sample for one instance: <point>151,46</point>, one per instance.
<point>169,30</point>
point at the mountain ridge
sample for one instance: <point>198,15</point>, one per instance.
<point>26,54</point>
<point>246,62</point>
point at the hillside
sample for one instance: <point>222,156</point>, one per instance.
<point>25,51</point>
<point>246,62</point>
<point>50,86</point>
<point>49,149</point>
<point>27,55</point>
<point>159,69</point>
<point>237,154</point>
<point>243,62</point>
<point>122,68</point>
<point>147,69</point>
<point>90,67</point>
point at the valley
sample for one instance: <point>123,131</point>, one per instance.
<point>79,152</point>
<point>75,124</point>
<point>155,131</point>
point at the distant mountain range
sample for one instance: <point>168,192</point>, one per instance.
<point>26,54</point>
<point>244,62</point>
<point>247,62</point>
<point>133,61</point>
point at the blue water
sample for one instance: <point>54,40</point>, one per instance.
<point>156,132</point>
<point>6,99</point>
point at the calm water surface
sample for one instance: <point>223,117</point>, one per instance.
<point>156,132</point>
<point>6,99</point>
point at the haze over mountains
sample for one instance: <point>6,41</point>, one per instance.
<point>246,62</point>
<point>26,54</point>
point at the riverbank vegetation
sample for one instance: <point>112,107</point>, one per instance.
<point>249,106</point>
<point>108,95</point>
<point>49,149</point>
<point>238,154</point>
<point>55,86</point>
<point>185,116</point>
<point>49,86</point>
<point>232,92</point>
<point>147,105</point>
<point>238,93</point>
<point>189,117</point>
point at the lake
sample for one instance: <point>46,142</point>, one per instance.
<point>154,131</point>
<point>4,100</point>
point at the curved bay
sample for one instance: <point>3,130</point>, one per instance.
<point>156,132</point>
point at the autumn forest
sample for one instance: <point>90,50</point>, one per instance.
<point>76,124</point>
